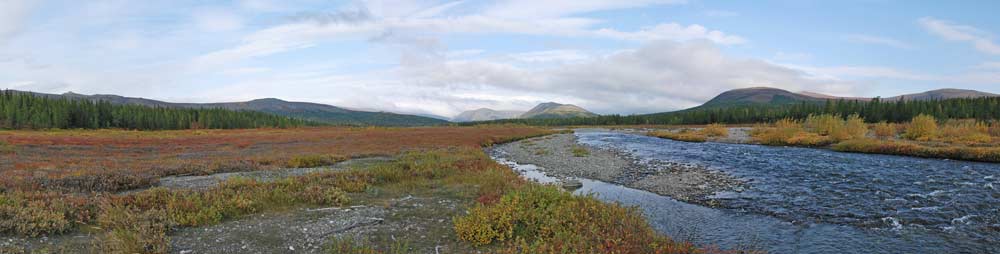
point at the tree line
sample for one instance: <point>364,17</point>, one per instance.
<point>876,110</point>
<point>20,110</point>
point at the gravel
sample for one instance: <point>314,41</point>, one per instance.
<point>554,154</point>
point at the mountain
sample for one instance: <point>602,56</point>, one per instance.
<point>774,96</point>
<point>485,114</point>
<point>757,95</point>
<point>831,97</point>
<point>556,110</point>
<point>941,94</point>
<point>303,110</point>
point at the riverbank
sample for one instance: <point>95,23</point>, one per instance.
<point>685,182</point>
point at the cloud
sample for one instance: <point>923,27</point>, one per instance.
<point>12,15</point>
<point>876,40</point>
<point>657,77</point>
<point>869,72</point>
<point>530,9</point>
<point>981,40</point>
<point>376,21</point>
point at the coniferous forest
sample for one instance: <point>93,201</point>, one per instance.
<point>28,111</point>
<point>986,109</point>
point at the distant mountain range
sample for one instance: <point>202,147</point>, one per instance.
<point>774,96</point>
<point>544,110</point>
<point>303,110</point>
<point>485,114</point>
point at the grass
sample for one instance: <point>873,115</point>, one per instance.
<point>685,135</point>
<point>545,219</point>
<point>507,214</point>
<point>579,151</point>
<point>689,135</point>
<point>923,137</point>
<point>63,160</point>
<point>6,148</point>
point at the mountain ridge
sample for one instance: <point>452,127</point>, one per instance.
<point>303,110</point>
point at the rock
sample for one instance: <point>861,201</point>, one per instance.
<point>571,184</point>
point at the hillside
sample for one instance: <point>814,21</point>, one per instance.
<point>757,95</point>
<point>485,114</point>
<point>556,110</point>
<point>942,94</point>
<point>301,110</point>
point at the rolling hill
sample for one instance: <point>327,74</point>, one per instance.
<point>556,110</point>
<point>303,110</point>
<point>775,96</point>
<point>757,95</point>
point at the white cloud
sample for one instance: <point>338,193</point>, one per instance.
<point>377,19</point>
<point>868,72</point>
<point>981,40</point>
<point>12,15</point>
<point>530,9</point>
<point>877,40</point>
<point>561,56</point>
<point>656,77</point>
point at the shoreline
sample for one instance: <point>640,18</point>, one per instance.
<point>683,182</point>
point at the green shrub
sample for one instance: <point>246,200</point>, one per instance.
<point>7,148</point>
<point>579,151</point>
<point>325,195</point>
<point>21,214</point>
<point>133,231</point>
<point>312,161</point>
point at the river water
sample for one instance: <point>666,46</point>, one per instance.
<point>802,200</point>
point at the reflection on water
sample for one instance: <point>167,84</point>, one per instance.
<point>814,201</point>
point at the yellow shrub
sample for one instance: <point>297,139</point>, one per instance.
<point>715,130</point>
<point>855,127</point>
<point>965,131</point>
<point>778,135</point>
<point>922,127</point>
<point>684,135</point>
<point>995,129</point>
<point>808,139</point>
<point>824,124</point>
<point>885,130</point>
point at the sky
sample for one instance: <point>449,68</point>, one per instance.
<point>445,57</point>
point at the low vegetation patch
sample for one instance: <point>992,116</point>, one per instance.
<point>685,135</point>
<point>925,136</point>
<point>63,160</point>
<point>579,151</point>
<point>545,219</point>
<point>689,135</point>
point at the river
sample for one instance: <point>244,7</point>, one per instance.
<point>802,200</point>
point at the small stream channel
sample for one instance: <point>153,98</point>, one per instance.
<point>812,200</point>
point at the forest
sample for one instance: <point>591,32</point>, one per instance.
<point>27,111</point>
<point>876,110</point>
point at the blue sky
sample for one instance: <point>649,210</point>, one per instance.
<point>443,57</point>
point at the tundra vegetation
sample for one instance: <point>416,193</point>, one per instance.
<point>689,135</point>
<point>899,111</point>
<point>53,185</point>
<point>923,136</point>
